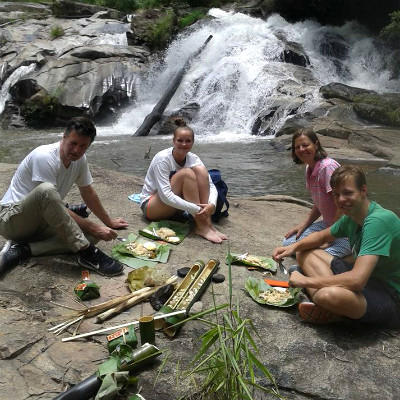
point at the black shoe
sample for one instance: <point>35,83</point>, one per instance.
<point>79,209</point>
<point>13,254</point>
<point>94,259</point>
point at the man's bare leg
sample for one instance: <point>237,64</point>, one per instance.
<point>341,301</point>
<point>315,262</point>
<point>337,300</point>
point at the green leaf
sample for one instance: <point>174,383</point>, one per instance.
<point>256,286</point>
<point>136,278</point>
<point>179,228</point>
<point>123,254</point>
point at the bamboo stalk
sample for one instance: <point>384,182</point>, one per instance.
<point>112,328</point>
<point>128,303</point>
<point>132,301</point>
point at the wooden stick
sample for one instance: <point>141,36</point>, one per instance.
<point>59,330</point>
<point>111,328</point>
<point>54,328</point>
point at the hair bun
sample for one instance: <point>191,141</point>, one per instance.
<point>179,121</point>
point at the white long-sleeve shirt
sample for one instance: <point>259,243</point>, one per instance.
<point>158,181</point>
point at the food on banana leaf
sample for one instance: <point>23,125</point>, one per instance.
<point>173,239</point>
<point>252,260</point>
<point>144,250</point>
<point>258,261</point>
<point>165,233</point>
<point>263,293</point>
<point>275,296</point>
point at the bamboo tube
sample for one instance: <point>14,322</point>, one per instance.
<point>147,331</point>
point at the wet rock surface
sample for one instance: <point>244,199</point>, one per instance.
<point>343,361</point>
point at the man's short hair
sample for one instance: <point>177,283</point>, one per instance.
<point>82,126</point>
<point>345,172</point>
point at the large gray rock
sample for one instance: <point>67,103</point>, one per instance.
<point>88,70</point>
<point>383,109</point>
<point>72,9</point>
<point>343,361</point>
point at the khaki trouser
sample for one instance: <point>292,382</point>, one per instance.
<point>42,220</point>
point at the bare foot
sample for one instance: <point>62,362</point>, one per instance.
<point>206,232</point>
<point>220,234</point>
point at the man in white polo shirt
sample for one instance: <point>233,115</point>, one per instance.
<point>33,216</point>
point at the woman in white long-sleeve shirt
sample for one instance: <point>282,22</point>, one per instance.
<point>178,180</point>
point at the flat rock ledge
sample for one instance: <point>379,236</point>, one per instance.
<point>345,361</point>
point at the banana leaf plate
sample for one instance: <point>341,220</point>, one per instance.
<point>123,254</point>
<point>181,230</point>
<point>268,264</point>
<point>257,286</point>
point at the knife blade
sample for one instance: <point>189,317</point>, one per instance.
<point>282,268</point>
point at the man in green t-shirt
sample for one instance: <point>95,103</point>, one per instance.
<point>365,287</point>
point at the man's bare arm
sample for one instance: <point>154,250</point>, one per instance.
<point>312,241</point>
<point>92,200</point>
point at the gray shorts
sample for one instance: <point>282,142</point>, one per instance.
<point>383,304</point>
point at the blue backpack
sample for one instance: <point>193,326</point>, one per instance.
<point>222,189</point>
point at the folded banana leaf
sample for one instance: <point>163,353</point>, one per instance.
<point>181,230</point>
<point>268,264</point>
<point>255,287</point>
<point>146,276</point>
<point>124,254</point>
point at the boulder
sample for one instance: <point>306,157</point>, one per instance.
<point>88,70</point>
<point>167,125</point>
<point>267,121</point>
<point>152,28</point>
<point>341,91</point>
<point>293,53</point>
<point>71,9</point>
<point>332,45</point>
<point>393,64</point>
<point>383,109</point>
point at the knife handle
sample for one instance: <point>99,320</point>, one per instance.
<point>272,282</point>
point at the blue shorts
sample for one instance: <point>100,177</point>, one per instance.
<point>339,248</point>
<point>383,304</point>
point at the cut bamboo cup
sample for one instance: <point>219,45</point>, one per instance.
<point>147,330</point>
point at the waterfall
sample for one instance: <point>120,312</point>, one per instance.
<point>11,80</point>
<point>240,73</point>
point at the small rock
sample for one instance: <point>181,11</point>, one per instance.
<point>196,308</point>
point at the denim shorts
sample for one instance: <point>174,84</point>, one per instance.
<point>383,304</point>
<point>145,205</point>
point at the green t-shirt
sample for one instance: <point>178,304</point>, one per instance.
<point>380,236</point>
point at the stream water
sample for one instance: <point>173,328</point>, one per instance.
<point>251,167</point>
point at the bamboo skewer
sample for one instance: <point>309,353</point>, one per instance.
<point>111,328</point>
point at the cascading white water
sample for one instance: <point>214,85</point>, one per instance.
<point>240,74</point>
<point>11,80</point>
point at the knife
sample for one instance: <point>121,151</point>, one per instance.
<point>282,268</point>
<point>272,282</point>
